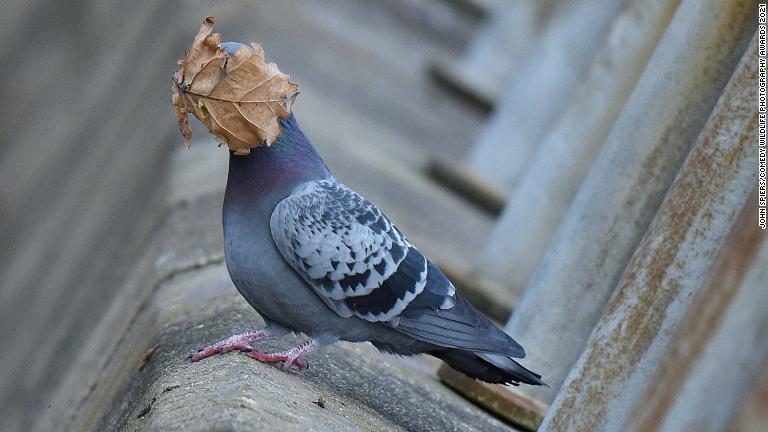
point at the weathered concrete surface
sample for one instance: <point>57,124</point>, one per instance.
<point>361,389</point>
<point>627,182</point>
<point>668,269</point>
<point>189,238</point>
<point>81,182</point>
<point>180,298</point>
<point>539,200</point>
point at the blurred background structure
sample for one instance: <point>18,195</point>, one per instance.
<point>584,171</point>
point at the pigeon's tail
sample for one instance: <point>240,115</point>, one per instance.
<point>491,368</point>
<point>466,340</point>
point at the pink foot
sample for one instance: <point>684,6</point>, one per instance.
<point>277,358</point>
<point>288,357</point>
<point>239,342</point>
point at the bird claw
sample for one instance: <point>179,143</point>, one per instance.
<point>220,349</point>
<point>240,342</point>
<point>286,358</point>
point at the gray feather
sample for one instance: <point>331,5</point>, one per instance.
<point>348,251</point>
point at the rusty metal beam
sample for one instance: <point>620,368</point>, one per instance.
<point>626,184</point>
<point>672,261</point>
<point>717,353</point>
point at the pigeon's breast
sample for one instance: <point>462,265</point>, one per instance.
<point>258,270</point>
<point>272,288</point>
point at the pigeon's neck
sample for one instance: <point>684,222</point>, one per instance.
<point>269,174</point>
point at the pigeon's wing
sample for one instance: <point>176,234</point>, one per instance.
<point>358,262</point>
<point>348,251</point>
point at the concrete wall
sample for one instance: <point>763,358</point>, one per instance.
<point>81,167</point>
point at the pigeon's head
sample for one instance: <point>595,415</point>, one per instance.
<point>232,90</point>
<point>231,47</point>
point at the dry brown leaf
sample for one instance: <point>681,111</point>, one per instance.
<point>239,97</point>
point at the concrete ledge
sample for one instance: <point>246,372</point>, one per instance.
<point>187,238</point>
<point>181,298</point>
<point>360,389</point>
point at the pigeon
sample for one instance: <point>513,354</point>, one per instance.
<point>312,256</point>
